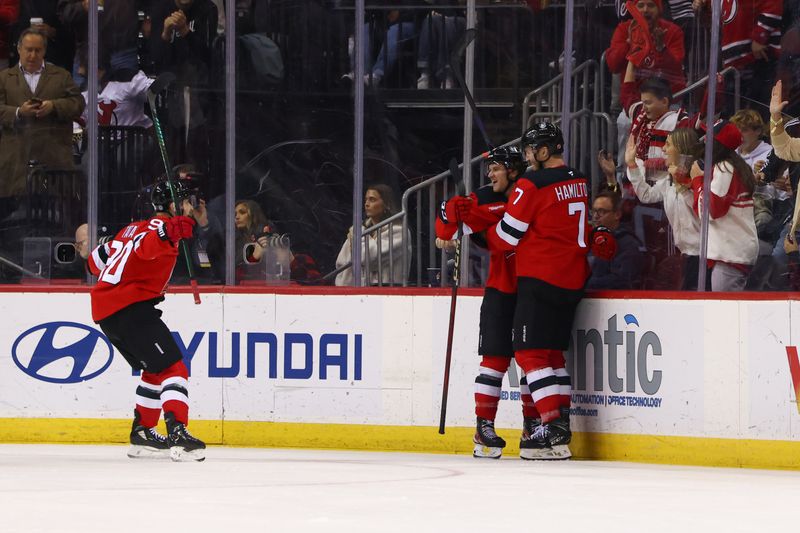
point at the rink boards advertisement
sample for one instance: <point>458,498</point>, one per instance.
<point>672,368</point>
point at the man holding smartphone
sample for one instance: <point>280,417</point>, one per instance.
<point>38,102</point>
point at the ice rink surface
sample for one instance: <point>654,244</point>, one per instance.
<point>55,488</point>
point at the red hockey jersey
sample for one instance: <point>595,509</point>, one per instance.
<point>745,21</point>
<point>487,209</point>
<point>547,222</point>
<point>133,267</point>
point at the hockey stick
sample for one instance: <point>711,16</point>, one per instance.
<point>158,86</point>
<point>460,190</point>
<point>455,67</point>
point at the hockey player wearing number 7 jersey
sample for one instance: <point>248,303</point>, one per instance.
<point>546,223</point>
<point>133,269</point>
<point>476,213</point>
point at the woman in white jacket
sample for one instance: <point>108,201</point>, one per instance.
<point>382,259</point>
<point>732,236</point>
<point>675,193</point>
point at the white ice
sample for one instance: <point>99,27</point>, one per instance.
<point>50,488</point>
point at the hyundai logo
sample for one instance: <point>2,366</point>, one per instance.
<point>62,352</point>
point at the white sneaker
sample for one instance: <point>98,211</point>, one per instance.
<point>449,83</point>
<point>424,81</point>
<point>376,80</point>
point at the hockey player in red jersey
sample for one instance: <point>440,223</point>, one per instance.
<point>133,269</point>
<point>546,222</point>
<point>476,213</point>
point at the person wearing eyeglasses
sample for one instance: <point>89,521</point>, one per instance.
<point>624,270</point>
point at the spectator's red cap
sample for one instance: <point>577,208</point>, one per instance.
<point>725,133</point>
<point>729,136</point>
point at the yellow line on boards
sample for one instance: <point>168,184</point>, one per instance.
<point>601,446</point>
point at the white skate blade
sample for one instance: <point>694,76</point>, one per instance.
<point>180,455</point>
<point>146,452</point>
<point>485,452</point>
<point>556,453</point>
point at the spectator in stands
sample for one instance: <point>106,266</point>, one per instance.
<point>624,270</point>
<point>255,235</point>
<point>653,45</point>
<point>181,39</point>
<point>249,222</point>
<point>384,253</point>
<point>438,36</point>
<point>122,98</point>
<point>207,245</point>
<point>751,42</point>
<point>732,235</point>
<point>38,103</point>
<point>118,24</point>
<point>9,12</point>
<point>676,194</point>
<point>793,256</point>
<point>400,28</point>
<point>754,150</point>
<point>648,107</point>
<point>682,14</point>
<point>60,43</point>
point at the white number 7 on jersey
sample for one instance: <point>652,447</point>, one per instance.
<point>580,208</point>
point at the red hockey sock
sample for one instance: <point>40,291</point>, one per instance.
<point>542,382</point>
<point>148,400</point>
<point>488,384</point>
<point>175,391</point>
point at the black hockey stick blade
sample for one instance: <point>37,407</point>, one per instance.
<point>164,80</point>
<point>458,177</point>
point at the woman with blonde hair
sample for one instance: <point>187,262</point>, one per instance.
<point>382,258</point>
<point>675,193</point>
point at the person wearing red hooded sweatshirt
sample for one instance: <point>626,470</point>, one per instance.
<point>9,12</point>
<point>652,44</point>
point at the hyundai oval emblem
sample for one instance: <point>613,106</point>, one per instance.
<point>45,351</point>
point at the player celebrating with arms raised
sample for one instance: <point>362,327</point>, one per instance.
<point>133,270</point>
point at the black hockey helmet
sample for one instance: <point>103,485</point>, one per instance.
<point>161,196</point>
<point>544,134</point>
<point>508,156</point>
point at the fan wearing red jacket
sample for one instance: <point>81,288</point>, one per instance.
<point>546,222</point>
<point>133,269</point>
<point>476,213</point>
<point>652,44</point>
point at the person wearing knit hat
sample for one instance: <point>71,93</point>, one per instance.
<point>732,236</point>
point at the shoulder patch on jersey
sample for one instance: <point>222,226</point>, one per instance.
<point>551,176</point>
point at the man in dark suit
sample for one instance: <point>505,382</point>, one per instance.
<point>38,103</point>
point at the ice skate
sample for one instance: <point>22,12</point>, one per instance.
<point>487,443</point>
<point>549,441</point>
<point>146,443</point>
<point>529,425</point>
<point>182,445</point>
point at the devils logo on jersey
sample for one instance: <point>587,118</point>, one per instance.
<point>729,10</point>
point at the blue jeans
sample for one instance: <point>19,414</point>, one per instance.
<point>396,34</point>
<point>437,38</point>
